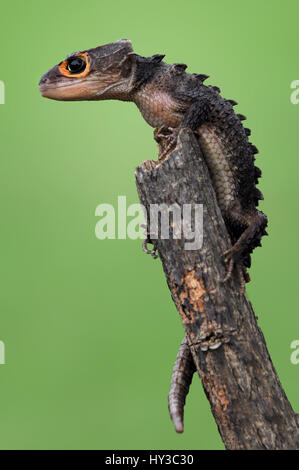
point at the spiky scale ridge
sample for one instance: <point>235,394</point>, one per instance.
<point>258,195</point>
<point>157,58</point>
<point>180,67</point>
<point>201,77</point>
<point>257,174</point>
<point>254,150</point>
<point>232,102</point>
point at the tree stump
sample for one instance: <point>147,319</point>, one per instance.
<point>228,348</point>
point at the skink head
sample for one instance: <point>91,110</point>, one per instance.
<point>105,72</point>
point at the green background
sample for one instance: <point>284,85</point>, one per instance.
<point>90,330</point>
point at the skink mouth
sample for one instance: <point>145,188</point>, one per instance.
<point>45,85</point>
<point>47,82</point>
<point>79,90</point>
<point>59,91</point>
<point>43,89</point>
<point>47,89</point>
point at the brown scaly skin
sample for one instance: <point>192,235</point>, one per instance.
<point>170,99</point>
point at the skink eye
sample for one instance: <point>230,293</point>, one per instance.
<point>76,65</point>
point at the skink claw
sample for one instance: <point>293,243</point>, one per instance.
<point>148,241</point>
<point>147,251</point>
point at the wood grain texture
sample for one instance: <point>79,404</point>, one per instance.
<point>229,350</point>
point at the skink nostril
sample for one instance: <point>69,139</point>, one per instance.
<point>44,80</point>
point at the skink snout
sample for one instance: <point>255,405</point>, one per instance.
<point>44,84</point>
<point>44,80</point>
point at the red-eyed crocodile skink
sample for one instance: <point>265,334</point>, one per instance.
<point>170,99</point>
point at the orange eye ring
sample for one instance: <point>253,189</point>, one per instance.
<point>63,67</point>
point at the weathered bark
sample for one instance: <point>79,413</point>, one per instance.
<point>228,348</point>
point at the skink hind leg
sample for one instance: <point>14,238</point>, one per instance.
<point>148,241</point>
<point>238,256</point>
<point>181,379</point>
<point>242,273</point>
<point>166,137</point>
